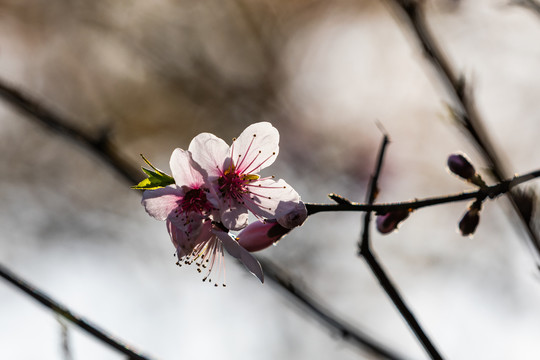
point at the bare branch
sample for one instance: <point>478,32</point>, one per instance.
<point>376,268</point>
<point>464,111</point>
<point>60,309</point>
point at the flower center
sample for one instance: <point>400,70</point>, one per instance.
<point>233,184</point>
<point>195,201</point>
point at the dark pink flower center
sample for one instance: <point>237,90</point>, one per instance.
<point>233,184</point>
<point>195,201</point>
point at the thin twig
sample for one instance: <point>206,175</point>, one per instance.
<point>376,268</point>
<point>60,309</point>
<point>463,110</point>
<point>373,190</point>
<point>480,194</point>
<point>528,4</point>
<point>115,161</point>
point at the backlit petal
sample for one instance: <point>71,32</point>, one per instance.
<point>184,170</point>
<point>237,251</point>
<point>234,218</point>
<point>211,153</point>
<point>266,195</point>
<point>256,148</point>
<point>161,202</point>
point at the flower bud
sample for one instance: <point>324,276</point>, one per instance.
<point>469,222</point>
<point>460,165</point>
<point>389,222</point>
<point>291,217</point>
<point>260,235</point>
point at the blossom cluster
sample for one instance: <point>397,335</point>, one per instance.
<point>213,188</point>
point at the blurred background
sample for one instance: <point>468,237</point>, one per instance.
<point>155,74</point>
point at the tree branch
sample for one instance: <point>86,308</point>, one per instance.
<point>60,309</point>
<point>463,109</point>
<point>376,268</point>
<point>481,194</point>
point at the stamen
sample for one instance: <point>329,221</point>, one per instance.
<point>247,152</point>
<point>261,164</point>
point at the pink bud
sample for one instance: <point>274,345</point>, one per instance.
<point>461,166</point>
<point>291,215</point>
<point>260,235</point>
<point>389,222</point>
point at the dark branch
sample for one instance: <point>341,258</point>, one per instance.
<point>371,195</point>
<point>98,145</point>
<point>463,109</point>
<point>323,314</point>
<point>84,324</point>
<point>528,4</point>
<point>480,194</point>
<point>376,268</point>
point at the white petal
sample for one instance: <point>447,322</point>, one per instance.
<point>211,153</point>
<point>161,202</point>
<point>184,169</point>
<point>256,148</point>
<point>237,251</point>
<point>189,223</point>
<point>265,196</point>
<point>234,218</point>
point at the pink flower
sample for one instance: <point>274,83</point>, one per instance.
<point>188,203</point>
<point>188,207</point>
<point>233,171</point>
<point>206,251</point>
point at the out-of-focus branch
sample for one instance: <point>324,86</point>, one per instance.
<point>60,309</point>
<point>109,155</point>
<point>98,145</point>
<point>491,192</point>
<point>346,331</point>
<point>528,4</point>
<point>376,268</point>
<point>411,13</point>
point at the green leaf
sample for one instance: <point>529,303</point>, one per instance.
<point>156,178</point>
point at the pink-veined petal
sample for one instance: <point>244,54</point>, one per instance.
<point>211,153</point>
<point>256,148</point>
<point>234,249</point>
<point>159,203</point>
<point>234,218</point>
<point>184,170</point>
<point>189,223</point>
<point>185,241</point>
<point>265,196</point>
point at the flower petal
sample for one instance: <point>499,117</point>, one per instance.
<point>184,241</point>
<point>161,202</point>
<point>235,217</point>
<point>265,196</point>
<point>256,148</point>
<point>211,153</point>
<point>184,169</point>
<point>234,249</point>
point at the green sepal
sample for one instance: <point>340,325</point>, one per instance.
<point>156,178</point>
